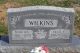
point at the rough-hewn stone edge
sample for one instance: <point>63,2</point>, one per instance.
<point>40,8</point>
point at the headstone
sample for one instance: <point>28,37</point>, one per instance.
<point>40,24</point>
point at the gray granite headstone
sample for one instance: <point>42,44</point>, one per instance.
<point>40,24</point>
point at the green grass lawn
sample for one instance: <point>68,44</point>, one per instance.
<point>63,3</point>
<point>3,29</point>
<point>2,1</point>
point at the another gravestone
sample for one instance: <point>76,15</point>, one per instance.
<point>40,24</point>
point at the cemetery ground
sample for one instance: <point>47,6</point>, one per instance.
<point>5,4</point>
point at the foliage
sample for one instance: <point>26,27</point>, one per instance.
<point>3,29</point>
<point>2,1</point>
<point>60,3</point>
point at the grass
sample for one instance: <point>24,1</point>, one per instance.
<point>19,3</point>
<point>62,3</point>
<point>3,29</point>
<point>2,1</point>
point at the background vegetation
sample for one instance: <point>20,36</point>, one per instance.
<point>5,4</point>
